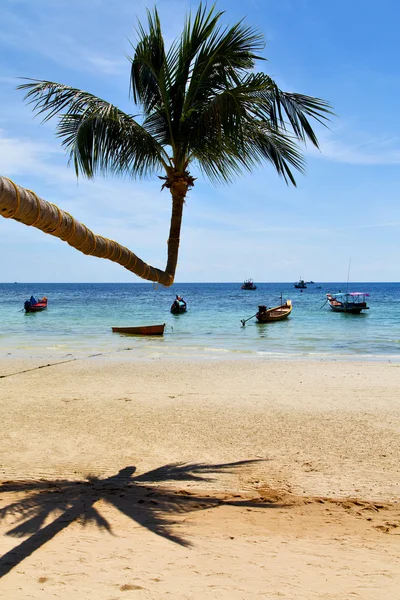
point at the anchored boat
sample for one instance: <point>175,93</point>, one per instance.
<point>267,315</point>
<point>301,284</point>
<point>248,284</point>
<point>353,302</point>
<point>33,305</point>
<point>143,330</point>
<point>178,306</point>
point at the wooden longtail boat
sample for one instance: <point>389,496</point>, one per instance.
<point>144,330</point>
<point>33,305</point>
<point>268,315</point>
<point>353,302</point>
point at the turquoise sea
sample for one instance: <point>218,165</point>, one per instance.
<point>79,318</point>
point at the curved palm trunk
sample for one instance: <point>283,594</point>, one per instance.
<point>24,206</point>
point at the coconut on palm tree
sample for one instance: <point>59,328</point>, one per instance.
<point>202,104</point>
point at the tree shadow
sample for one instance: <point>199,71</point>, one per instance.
<point>153,507</point>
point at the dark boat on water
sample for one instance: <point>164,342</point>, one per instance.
<point>301,284</point>
<point>268,315</point>
<point>353,302</point>
<point>144,330</point>
<point>248,284</point>
<point>33,305</point>
<point>178,306</point>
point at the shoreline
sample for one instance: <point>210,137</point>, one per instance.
<point>189,355</point>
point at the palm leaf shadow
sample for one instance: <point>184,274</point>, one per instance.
<point>152,507</point>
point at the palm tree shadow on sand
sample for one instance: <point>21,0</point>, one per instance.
<point>153,507</point>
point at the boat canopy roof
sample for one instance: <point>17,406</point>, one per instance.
<point>351,294</point>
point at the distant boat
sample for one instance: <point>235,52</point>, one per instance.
<point>353,302</point>
<point>178,306</point>
<point>248,284</point>
<point>310,281</point>
<point>301,284</point>
<point>268,315</point>
<point>33,305</point>
<point>144,330</point>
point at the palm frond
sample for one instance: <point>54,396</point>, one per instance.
<point>281,150</point>
<point>252,121</point>
<point>148,70</point>
<point>195,34</point>
<point>99,144</point>
<point>223,160</point>
<point>217,161</point>
<point>98,136</point>
<point>226,112</point>
<point>157,126</point>
<point>287,109</point>
<point>222,60</point>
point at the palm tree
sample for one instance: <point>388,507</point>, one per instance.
<point>201,104</point>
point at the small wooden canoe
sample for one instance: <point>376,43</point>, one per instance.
<point>267,315</point>
<point>144,330</point>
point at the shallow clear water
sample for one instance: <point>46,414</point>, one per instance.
<point>79,318</point>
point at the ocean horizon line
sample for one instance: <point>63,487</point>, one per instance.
<point>317,282</point>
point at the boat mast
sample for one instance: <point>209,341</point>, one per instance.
<point>348,275</point>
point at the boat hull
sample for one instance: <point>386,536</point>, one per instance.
<point>178,309</point>
<point>353,308</point>
<point>35,308</point>
<point>300,284</point>
<point>144,330</point>
<point>278,313</point>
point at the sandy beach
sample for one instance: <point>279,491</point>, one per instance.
<point>209,479</point>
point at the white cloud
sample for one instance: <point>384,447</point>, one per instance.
<point>71,33</point>
<point>107,66</point>
<point>364,149</point>
<point>19,156</point>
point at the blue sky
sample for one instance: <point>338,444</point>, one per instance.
<point>345,207</point>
